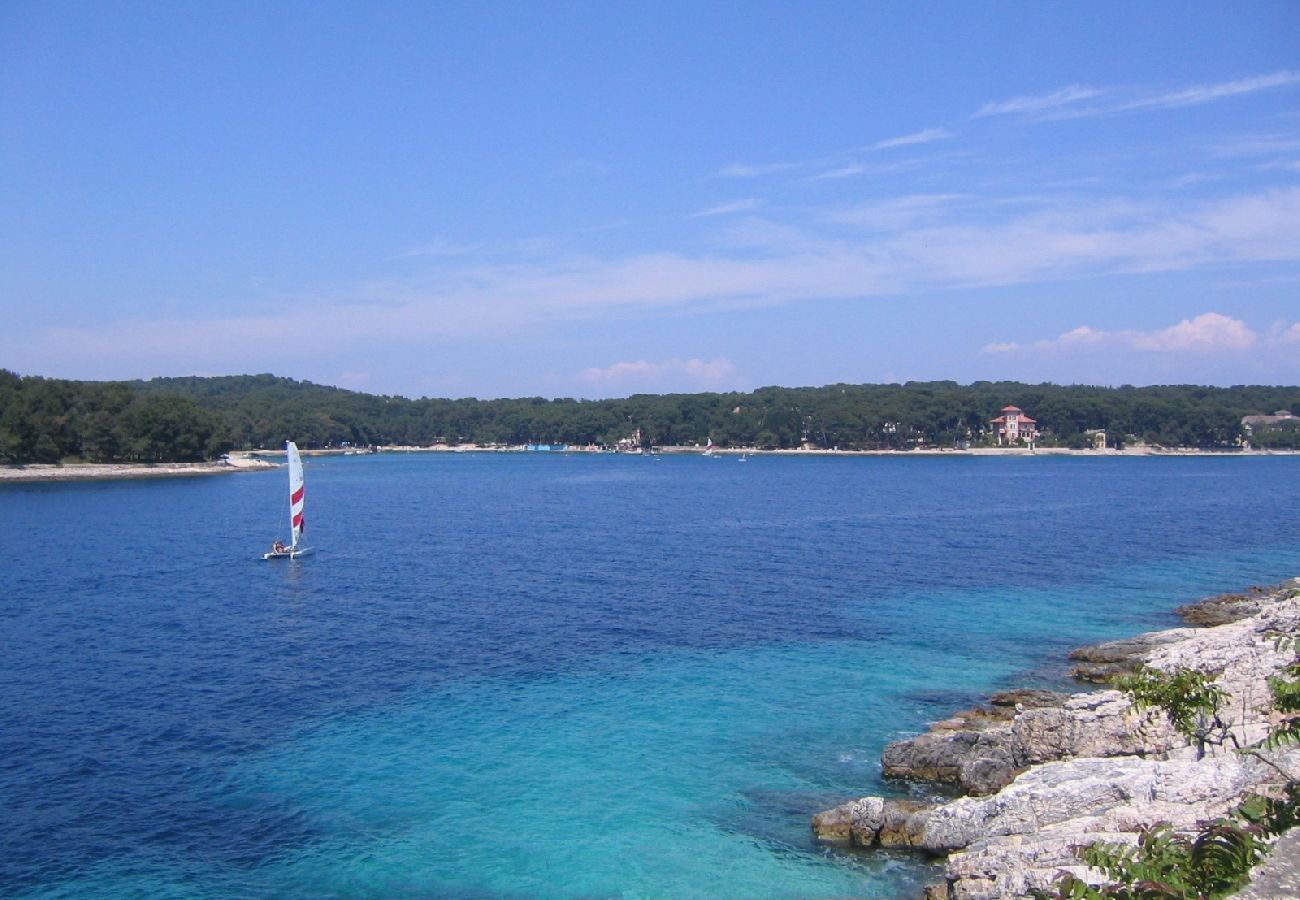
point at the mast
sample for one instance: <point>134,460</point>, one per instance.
<point>297,521</point>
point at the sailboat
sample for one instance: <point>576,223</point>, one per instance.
<point>708,450</point>
<point>297,520</point>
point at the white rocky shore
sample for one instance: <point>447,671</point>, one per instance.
<point>1046,779</point>
<point>232,462</point>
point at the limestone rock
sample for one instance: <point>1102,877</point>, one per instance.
<point>874,821</point>
<point>1085,769</point>
<point>1100,663</point>
<point>978,760</point>
<point>1279,874</point>
<point>1227,608</point>
<point>1008,702</point>
<point>856,822</point>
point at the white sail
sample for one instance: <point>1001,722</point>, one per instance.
<point>297,521</point>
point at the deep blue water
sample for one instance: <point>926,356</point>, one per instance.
<point>553,676</point>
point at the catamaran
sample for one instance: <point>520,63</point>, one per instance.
<point>297,521</point>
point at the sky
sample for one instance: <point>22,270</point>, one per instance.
<point>594,199</point>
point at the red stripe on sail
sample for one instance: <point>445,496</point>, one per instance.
<point>299,521</point>
<point>297,495</point>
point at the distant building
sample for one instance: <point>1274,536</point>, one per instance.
<point>1097,436</point>
<point>630,444</point>
<point>1250,423</point>
<point>1258,426</point>
<point>1013,426</point>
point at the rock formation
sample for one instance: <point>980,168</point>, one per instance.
<point>1047,773</point>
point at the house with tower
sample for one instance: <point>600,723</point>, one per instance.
<point>1014,427</point>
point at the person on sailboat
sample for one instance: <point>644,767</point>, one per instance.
<point>277,547</point>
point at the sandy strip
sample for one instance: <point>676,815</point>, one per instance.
<point>236,462</point>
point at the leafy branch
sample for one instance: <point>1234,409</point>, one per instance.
<point>1189,698</point>
<point>1216,859</point>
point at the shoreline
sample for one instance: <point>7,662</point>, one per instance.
<point>799,451</point>
<point>48,472</point>
<point>1042,773</point>
<point>254,460</point>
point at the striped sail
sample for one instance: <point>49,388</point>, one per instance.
<point>297,521</point>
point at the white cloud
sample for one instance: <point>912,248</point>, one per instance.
<point>749,170</point>
<point>1037,104</point>
<point>898,212</point>
<point>1207,333</point>
<point>1195,96</point>
<point>1258,145</point>
<point>908,140</point>
<point>440,247</point>
<point>905,245</point>
<point>1283,334</point>
<point>674,374</point>
<point>727,209</point>
<point>847,171</point>
<point>1064,102</point>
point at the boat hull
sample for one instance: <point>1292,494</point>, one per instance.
<point>287,554</point>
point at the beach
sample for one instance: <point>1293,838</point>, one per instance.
<point>234,462</point>
<point>254,460</point>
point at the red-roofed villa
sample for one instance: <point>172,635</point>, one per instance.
<point>1014,426</point>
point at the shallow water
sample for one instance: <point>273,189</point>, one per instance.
<point>565,676</point>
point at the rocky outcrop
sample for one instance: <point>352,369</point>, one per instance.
<point>1025,837</point>
<point>1048,774</point>
<point>1227,608</point>
<point>1100,663</point>
<point>981,753</point>
<point>875,822</point>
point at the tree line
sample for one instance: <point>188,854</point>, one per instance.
<point>190,419</point>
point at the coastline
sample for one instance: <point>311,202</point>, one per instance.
<point>800,451</point>
<point>254,460</point>
<point>46,472</point>
<point>1042,774</point>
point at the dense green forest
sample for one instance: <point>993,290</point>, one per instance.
<point>164,419</point>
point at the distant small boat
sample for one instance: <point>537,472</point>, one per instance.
<point>297,519</point>
<point>744,457</point>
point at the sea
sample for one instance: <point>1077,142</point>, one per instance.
<point>550,675</point>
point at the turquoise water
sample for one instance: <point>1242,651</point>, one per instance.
<point>523,676</point>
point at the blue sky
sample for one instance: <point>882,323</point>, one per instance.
<point>596,199</point>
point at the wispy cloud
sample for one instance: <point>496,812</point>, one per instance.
<point>1066,96</point>
<point>440,247</point>
<point>758,170</point>
<point>1258,145</point>
<point>1194,96</point>
<point>727,209</point>
<point>908,140</point>
<point>1065,103</point>
<point>898,212</point>
<point>845,169</point>
<point>850,170</point>
<point>673,374</point>
<point>1207,333</point>
<point>891,248</point>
